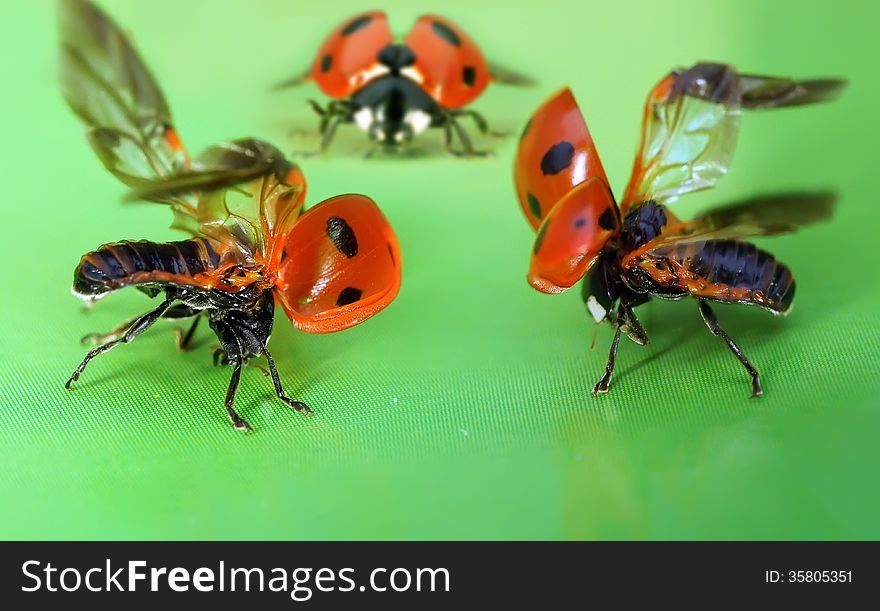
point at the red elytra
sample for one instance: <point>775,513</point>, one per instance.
<point>449,65</point>
<point>572,235</point>
<point>556,132</point>
<point>349,55</point>
<point>341,265</point>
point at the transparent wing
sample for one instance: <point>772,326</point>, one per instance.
<point>506,76</point>
<point>690,125</point>
<point>110,89</point>
<point>242,193</point>
<point>706,257</point>
<point>246,192</point>
<point>764,215</point>
<point>760,92</point>
<point>687,140</point>
<point>218,167</point>
<point>293,81</point>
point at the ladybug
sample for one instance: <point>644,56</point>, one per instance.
<point>251,248</point>
<point>629,253</point>
<point>394,91</point>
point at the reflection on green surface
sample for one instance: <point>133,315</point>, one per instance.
<point>464,409</point>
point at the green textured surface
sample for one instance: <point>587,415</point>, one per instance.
<point>463,410</point>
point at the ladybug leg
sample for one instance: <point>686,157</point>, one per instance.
<point>447,140</point>
<point>184,339</point>
<point>626,322</point>
<point>601,386</point>
<point>336,112</point>
<point>237,421</point>
<point>261,369</point>
<point>334,108</point>
<point>712,322</point>
<point>451,126</point>
<point>319,110</point>
<point>631,325</point>
<point>220,357</point>
<point>328,132</point>
<point>94,339</point>
<point>481,123</point>
<point>297,406</point>
<point>327,115</point>
<point>140,325</point>
<point>315,106</point>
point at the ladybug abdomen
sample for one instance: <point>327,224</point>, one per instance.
<point>726,270</point>
<point>114,266</point>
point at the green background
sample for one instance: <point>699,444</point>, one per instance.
<point>463,410</point>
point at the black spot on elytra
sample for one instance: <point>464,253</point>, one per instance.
<point>539,239</point>
<point>356,24</point>
<point>342,236</point>
<point>326,63</point>
<point>579,222</point>
<point>534,205</point>
<point>348,295</point>
<point>606,219</point>
<point>557,158</point>
<point>446,33</point>
<point>469,75</point>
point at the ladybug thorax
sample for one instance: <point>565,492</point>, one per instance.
<point>642,223</point>
<point>241,277</point>
<point>393,109</point>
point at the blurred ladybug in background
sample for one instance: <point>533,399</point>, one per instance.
<point>641,250</point>
<point>394,91</point>
<point>251,247</point>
